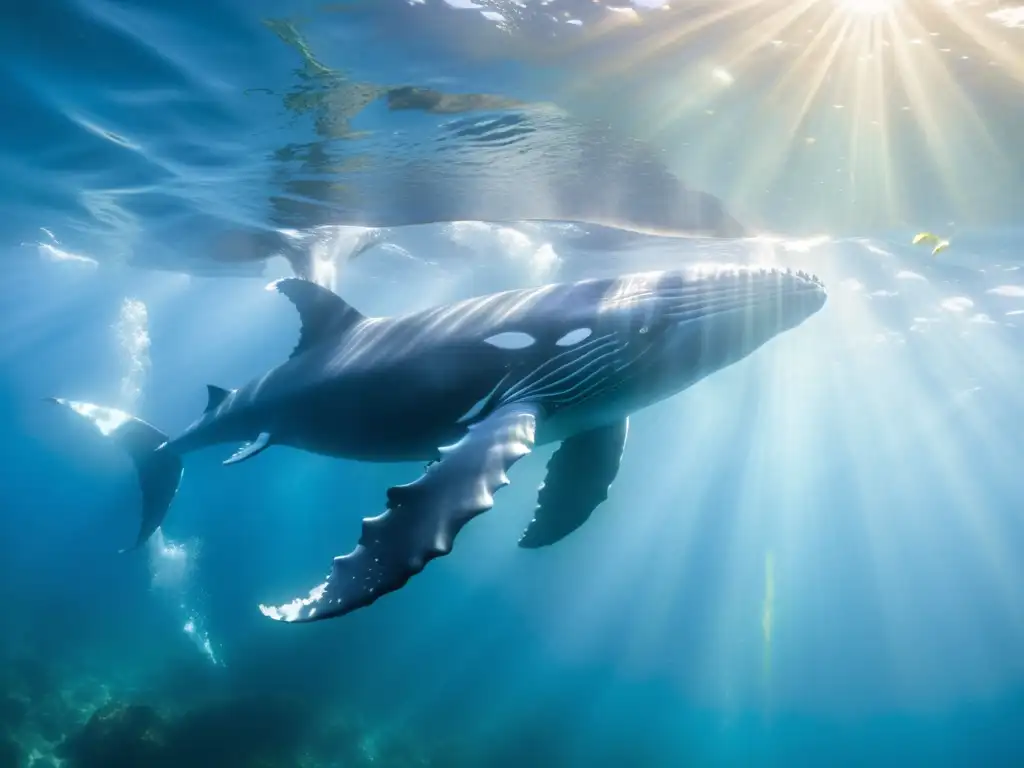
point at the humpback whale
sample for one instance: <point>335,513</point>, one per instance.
<point>471,388</point>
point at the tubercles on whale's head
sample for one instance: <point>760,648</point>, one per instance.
<point>702,319</point>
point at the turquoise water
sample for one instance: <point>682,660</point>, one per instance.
<point>810,558</point>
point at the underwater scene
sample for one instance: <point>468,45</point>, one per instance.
<point>511,383</point>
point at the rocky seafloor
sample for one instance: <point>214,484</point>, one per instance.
<point>48,722</point>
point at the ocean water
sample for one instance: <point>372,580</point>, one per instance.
<point>811,558</point>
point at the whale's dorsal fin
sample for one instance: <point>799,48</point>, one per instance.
<point>214,397</point>
<point>323,313</point>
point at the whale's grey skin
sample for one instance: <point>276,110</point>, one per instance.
<point>471,387</point>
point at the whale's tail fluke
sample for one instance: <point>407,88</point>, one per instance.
<point>158,468</point>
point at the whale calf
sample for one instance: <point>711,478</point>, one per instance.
<point>471,388</point>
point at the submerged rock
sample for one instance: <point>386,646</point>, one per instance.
<point>33,677</point>
<point>241,732</point>
<point>13,711</point>
<point>49,723</point>
<point>11,754</point>
<point>118,736</point>
<point>250,732</point>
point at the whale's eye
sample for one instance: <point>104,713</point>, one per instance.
<point>573,337</point>
<point>511,340</point>
<point>644,329</point>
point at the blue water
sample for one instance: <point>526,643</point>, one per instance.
<point>810,558</point>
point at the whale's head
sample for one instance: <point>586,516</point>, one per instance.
<point>683,325</point>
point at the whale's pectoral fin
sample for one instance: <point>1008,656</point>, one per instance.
<point>249,450</point>
<point>578,477</point>
<point>422,518</point>
<point>323,313</point>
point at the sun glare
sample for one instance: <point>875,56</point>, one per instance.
<point>869,113</point>
<point>867,7</point>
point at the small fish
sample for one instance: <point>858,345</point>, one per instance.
<point>927,238</point>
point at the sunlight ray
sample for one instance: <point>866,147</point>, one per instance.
<point>983,34</point>
<point>677,26</point>
<point>897,71</point>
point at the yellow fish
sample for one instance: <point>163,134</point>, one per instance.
<point>927,238</point>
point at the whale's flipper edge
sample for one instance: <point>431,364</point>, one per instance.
<point>159,470</point>
<point>578,477</point>
<point>422,518</point>
<point>249,450</point>
<point>324,314</point>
